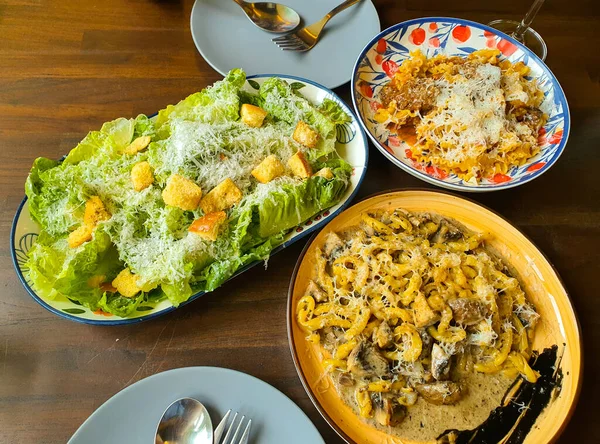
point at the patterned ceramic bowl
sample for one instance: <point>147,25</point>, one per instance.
<point>453,37</point>
<point>351,145</point>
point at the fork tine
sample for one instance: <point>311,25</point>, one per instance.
<point>237,430</point>
<point>229,429</point>
<point>289,45</point>
<point>286,42</point>
<point>283,38</point>
<point>246,435</point>
<point>219,430</point>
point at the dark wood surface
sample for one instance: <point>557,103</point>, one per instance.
<point>66,66</point>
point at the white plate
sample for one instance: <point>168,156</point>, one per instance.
<point>227,39</point>
<point>131,416</point>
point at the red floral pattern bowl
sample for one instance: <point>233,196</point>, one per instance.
<point>381,57</point>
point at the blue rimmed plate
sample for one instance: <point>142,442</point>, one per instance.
<point>351,145</point>
<point>453,37</point>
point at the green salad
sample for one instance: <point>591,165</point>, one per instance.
<point>153,208</point>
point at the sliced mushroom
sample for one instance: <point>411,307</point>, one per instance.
<point>346,380</point>
<point>332,243</point>
<point>426,341</point>
<point>440,363</point>
<point>365,360</point>
<point>383,336</point>
<point>441,392</point>
<point>315,291</point>
<point>467,311</point>
<point>388,412</point>
<point>446,232</point>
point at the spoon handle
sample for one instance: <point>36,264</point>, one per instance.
<point>528,19</point>
<point>341,7</point>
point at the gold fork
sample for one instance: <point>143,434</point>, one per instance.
<point>307,37</point>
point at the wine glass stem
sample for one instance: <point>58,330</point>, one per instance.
<point>528,19</point>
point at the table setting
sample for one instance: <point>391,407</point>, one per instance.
<point>338,221</point>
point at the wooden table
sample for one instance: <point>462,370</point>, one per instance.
<point>67,66</point>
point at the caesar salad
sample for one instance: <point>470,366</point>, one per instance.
<point>152,208</point>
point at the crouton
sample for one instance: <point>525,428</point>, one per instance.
<point>96,280</point>
<point>268,169</point>
<point>95,211</point>
<point>325,172</point>
<point>422,312</point>
<point>208,226</point>
<point>137,145</point>
<point>126,283</point>
<point>182,193</point>
<point>305,135</point>
<point>300,166</point>
<point>223,196</point>
<point>80,235</point>
<point>252,115</point>
<point>141,176</point>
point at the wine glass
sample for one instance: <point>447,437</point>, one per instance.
<point>522,32</point>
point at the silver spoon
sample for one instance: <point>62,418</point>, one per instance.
<point>271,17</point>
<point>186,421</point>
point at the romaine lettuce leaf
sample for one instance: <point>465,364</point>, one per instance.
<point>91,145</point>
<point>121,131</point>
<point>45,262</point>
<point>216,104</point>
<point>334,112</point>
<point>287,104</point>
<point>143,126</point>
<point>292,205</point>
<point>34,186</point>
<point>55,195</point>
<point>119,305</point>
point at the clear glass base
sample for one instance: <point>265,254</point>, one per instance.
<point>531,39</point>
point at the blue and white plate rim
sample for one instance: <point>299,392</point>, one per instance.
<point>435,181</point>
<point>305,233</point>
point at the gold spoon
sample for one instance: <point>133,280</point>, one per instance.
<point>271,17</point>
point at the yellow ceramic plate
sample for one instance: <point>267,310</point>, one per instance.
<point>558,325</point>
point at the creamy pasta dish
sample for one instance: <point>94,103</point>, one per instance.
<point>473,116</point>
<point>410,307</point>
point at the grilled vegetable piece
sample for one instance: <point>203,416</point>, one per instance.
<point>441,392</point>
<point>383,336</point>
<point>467,311</point>
<point>365,360</point>
<point>440,363</point>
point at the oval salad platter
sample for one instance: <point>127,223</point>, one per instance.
<point>351,145</point>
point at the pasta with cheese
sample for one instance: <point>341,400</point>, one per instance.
<point>406,304</point>
<point>474,116</point>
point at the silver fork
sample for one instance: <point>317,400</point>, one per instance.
<point>230,430</point>
<point>307,37</point>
